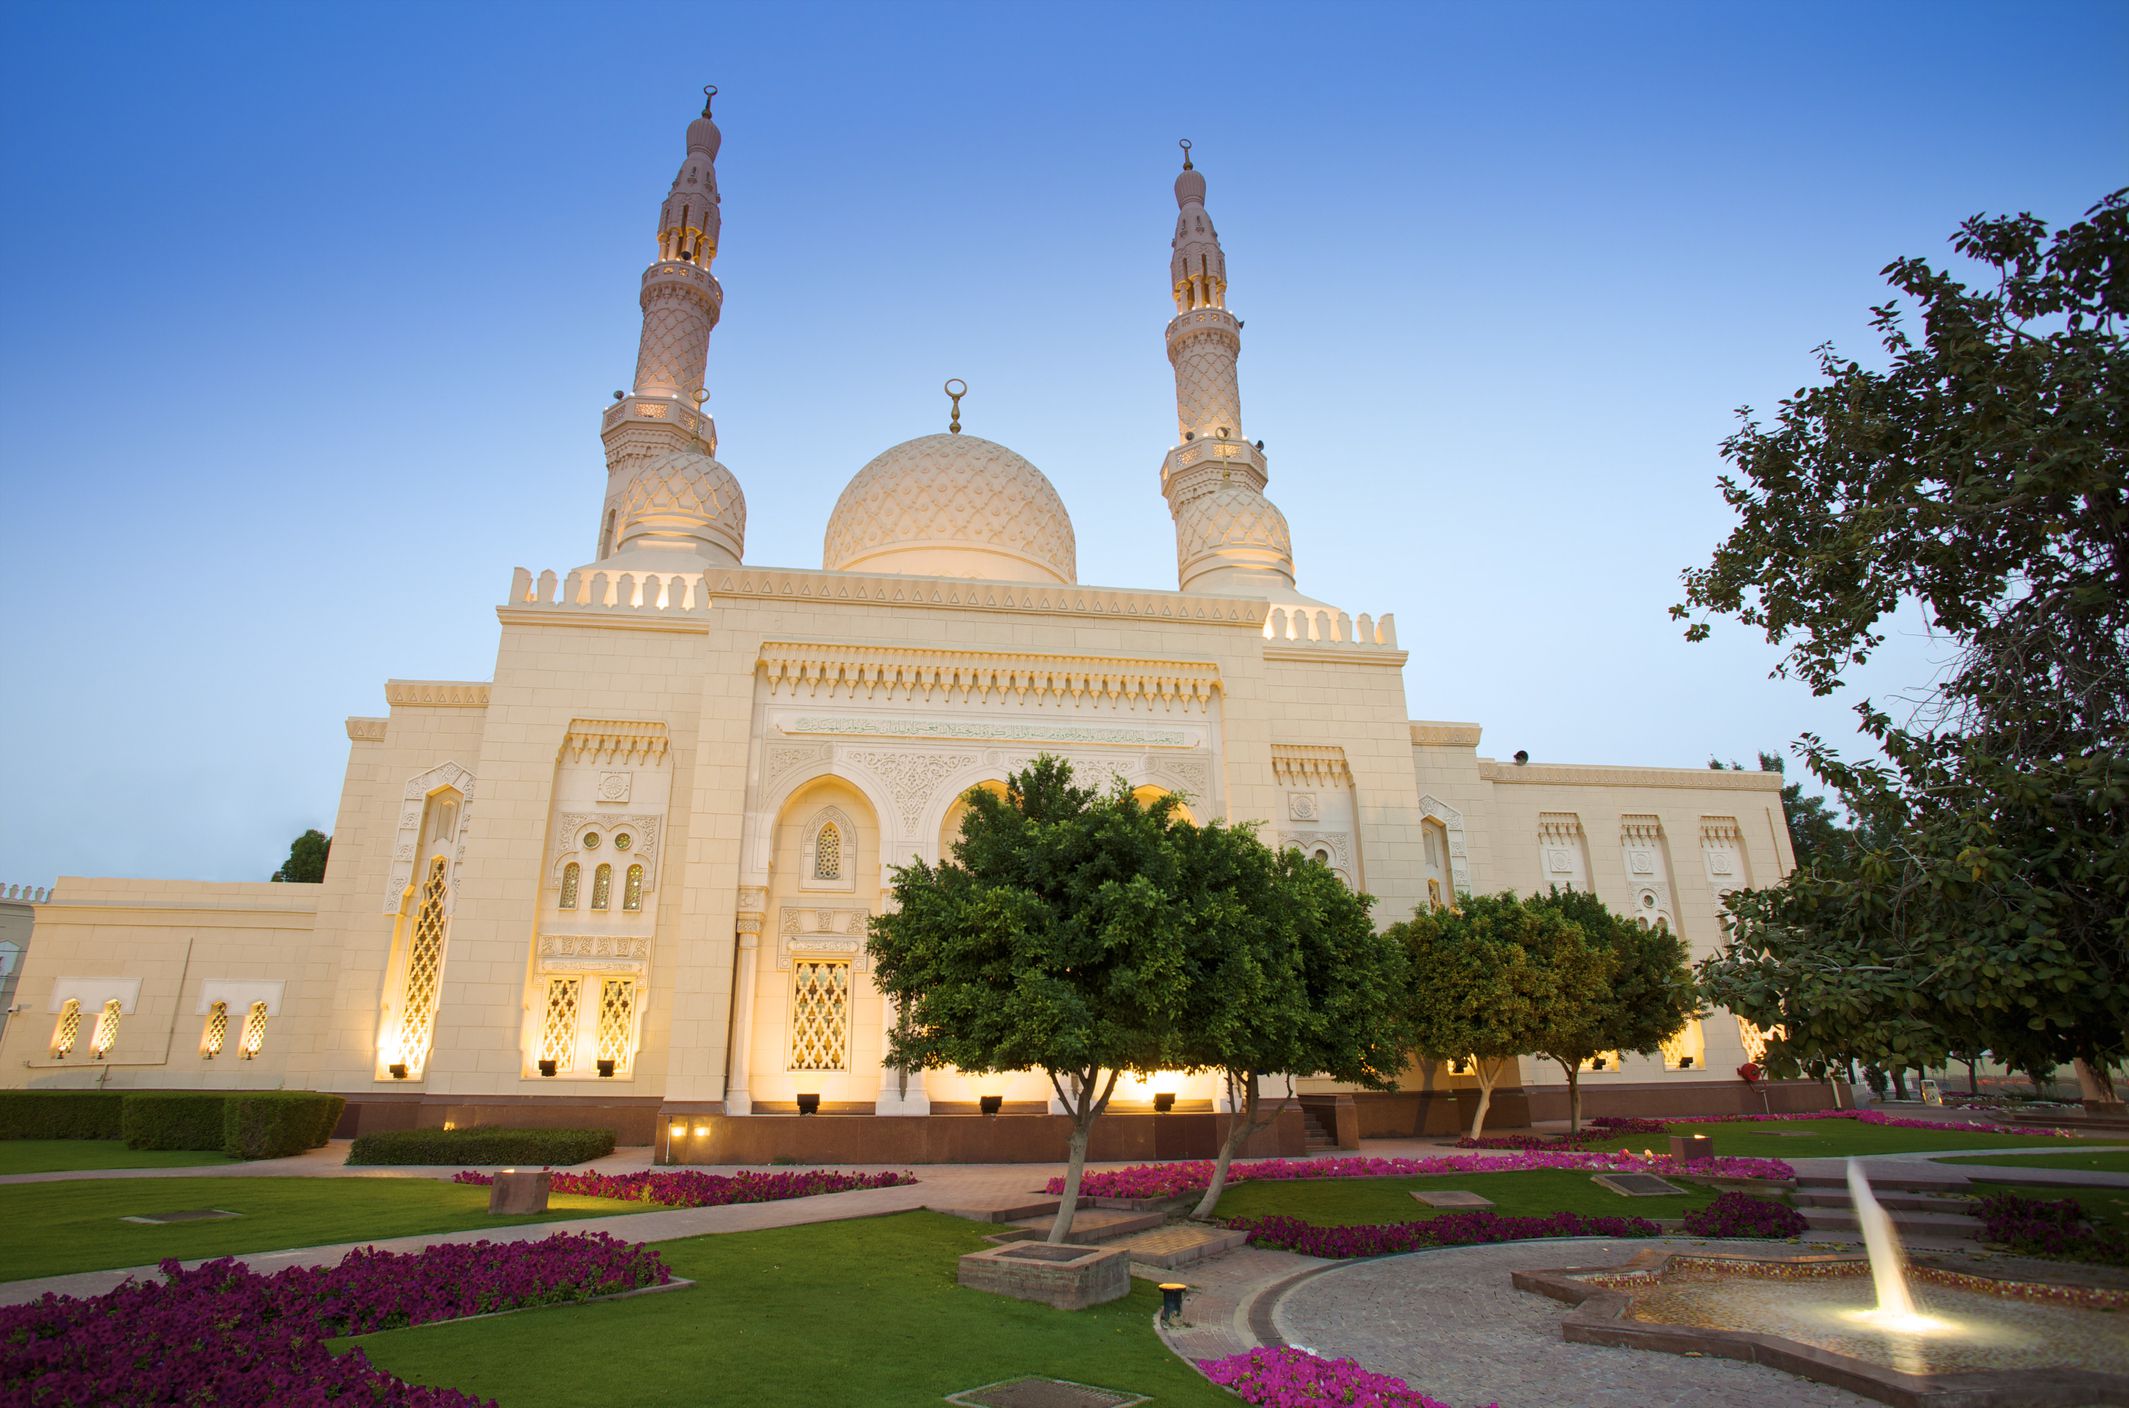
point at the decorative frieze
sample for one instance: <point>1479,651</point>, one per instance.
<point>614,741</point>
<point>1562,853</point>
<point>414,797</point>
<point>885,673</point>
<point>1310,765</point>
<point>816,931</point>
<point>970,730</point>
<point>594,953</point>
<point>365,730</point>
<point>913,776</point>
<point>436,694</point>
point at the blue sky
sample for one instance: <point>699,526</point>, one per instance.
<point>307,314</point>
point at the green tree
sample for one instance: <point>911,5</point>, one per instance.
<point>1816,832</point>
<point>306,858</point>
<point>1291,978</point>
<point>1641,990</point>
<point>1050,941</point>
<point>1981,477</point>
<point>1481,985</point>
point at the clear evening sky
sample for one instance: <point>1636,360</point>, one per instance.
<point>310,312</point>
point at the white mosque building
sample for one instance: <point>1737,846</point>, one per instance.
<point>624,881</point>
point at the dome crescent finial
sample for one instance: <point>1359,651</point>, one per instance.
<point>709,91</point>
<point>953,425</point>
<point>1184,143</point>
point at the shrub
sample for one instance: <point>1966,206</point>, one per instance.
<point>1742,1215</point>
<point>273,1124</point>
<point>170,1119</point>
<point>685,1188</point>
<point>482,1146</point>
<point>1451,1229</point>
<point>1628,1124</point>
<point>2048,1227</point>
<point>61,1114</point>
<point>222,1334</point>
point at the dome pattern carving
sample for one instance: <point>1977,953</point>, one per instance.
<point>684,494</point>
<point>952,505</point>
<point>1232,526</point>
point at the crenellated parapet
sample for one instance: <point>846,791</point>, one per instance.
<point>1320,625</point>
<point>25,894</point>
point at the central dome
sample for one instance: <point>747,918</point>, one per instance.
<point>952,506</point>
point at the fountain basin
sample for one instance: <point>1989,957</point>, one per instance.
<point>1995,1341</point>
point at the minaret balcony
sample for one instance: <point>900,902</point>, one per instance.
<point>1203,464</point>
<point>690,426</point>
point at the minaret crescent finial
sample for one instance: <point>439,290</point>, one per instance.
<point>709,91</point>
<point>1184,143</point>
<point>953,426</point>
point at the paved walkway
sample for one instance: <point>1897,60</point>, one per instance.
<point>1451,1324</point>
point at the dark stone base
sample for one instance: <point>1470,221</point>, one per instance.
<point>1062,1275</point>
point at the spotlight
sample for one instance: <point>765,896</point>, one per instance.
<point>398,1070</point>
<point>606,1066</point>
<point>547,1066</point>
<point>992,1104</point>
<point>809,1104</point>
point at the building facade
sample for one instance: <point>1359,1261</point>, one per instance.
<point>626,879</point>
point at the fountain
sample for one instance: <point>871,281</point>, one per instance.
<point>2040,1336</point>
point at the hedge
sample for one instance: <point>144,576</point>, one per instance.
<point>272,1124</point>
<point>173,1119</point>
<point>245,1124</point>
<point>482,1146</point>
<point>61,1114</point>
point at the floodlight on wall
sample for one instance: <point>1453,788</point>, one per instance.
<point>991,1104</point>
<point>606,1067</point>
<point>1163,1101</point>
<point>809,1104</point>
<point>398,1070</point>
<point>547,1065</point>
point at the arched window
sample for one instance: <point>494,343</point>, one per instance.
<point>558,1033</point>
<point>828,853</point>
<point>216,1033</point>
<point>632,889</point>
<point>602,887</point>
<point>254,1036</point>
<point>572,874</point>
<point>67,1031</point>
<point>106,1030</point>
<point>617,1023</point>
<point>425,968</point>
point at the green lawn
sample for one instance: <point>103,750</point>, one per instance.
<point>2107,1207</point>
<point>1339,1202</point>
<point>1820,1139</point>
<point>62,1155</point>
<point>2117,1162</point>
<point>53,1228</point>
<point>860,1312</point>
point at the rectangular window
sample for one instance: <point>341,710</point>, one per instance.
<point>820,1015</point>
<point>558,1032</point>
<point>106,1030</point>
<point>68,1029</point>
<point>254,1035</point>
<point>617,1022</point>
<point>217,1031</point>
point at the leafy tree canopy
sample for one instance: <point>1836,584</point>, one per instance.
<point>306,859</point>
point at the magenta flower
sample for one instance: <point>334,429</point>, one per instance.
<point>686,1188</point>
<point>1294,1378</point>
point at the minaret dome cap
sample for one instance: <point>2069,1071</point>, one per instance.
<point>1190,183</point>
<point>702,134</point>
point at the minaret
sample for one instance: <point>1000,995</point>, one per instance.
<point>668,502</point>
<point>1229,538</point>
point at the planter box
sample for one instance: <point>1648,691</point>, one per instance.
<point>1057,1274</point>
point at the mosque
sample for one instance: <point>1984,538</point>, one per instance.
<point>624,882</point>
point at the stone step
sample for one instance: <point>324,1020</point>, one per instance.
<point>1908,1180</point>
<point>1912,1202</point>
<point>1181,1244</point>
<point>1934,1223</point>
<point>1091,1226</point>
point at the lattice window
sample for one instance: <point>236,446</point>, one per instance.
<point>602,887</point>
<point>106,1030</point>
<point>558,1033</point>
<point>1755,1039</point>
<point>68,1030</point>
<point>1602,1061</point>
<point>632,889</point>
<point>217,1032</point>
<point>617,1021</point>
<point>254,1035</point>
<point>425,968</point>
<point>820,1015</point>
<point>1687,1049</point>
<point>572,873</point>
<point>828,853</point>
<point>1434,893</point>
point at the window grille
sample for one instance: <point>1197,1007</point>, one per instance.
<point>425,964</point>
<point>602,886</point>
<point>254,1036</point>
<point>1602,1061</point>
<point>106,1030</point>
<point>571,874</point>
<point>1686,1049</point>
<point>217,1031</point>
<point>1434,893</point>
<point>558,1033</point>
<point>632,889</point>
<point>68,1030</point>
<point>820,1016</point>
<point>617,1021</point>
<point>828,853</point>
<point>1755,1039</point>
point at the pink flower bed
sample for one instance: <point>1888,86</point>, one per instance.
<point>1450,1229</point>
<point>1294,1378</point>
<point>1872,1117</point>
<point>220,1334</point>
<point>684,1188</point>
<point>1193,1175</point>
<point>1742,1215</point>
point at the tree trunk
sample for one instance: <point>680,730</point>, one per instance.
<point>1241,1125</point>
<point>2095,1083</point>
<point>1973,1075</point>
<point>1068,1201</point>
<point>1574,1097</point>
<point>1899,1082</point>
<point>1486,1083</point>
<point>1086,1109</point>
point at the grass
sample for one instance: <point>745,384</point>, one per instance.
<point>1341,1202</point>
<point>864,1311</point>
<point>2106,1207</point>
<point>2115,1162</point>
<point>65,1155</point>
<point>1821,1139</point>
<point>53,1228</point>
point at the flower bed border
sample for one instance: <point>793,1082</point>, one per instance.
<point>1171,1179</point>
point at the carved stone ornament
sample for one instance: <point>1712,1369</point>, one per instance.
<point>913,776</point>
<point>815,929</point>
<point>614,786</point>
<point>1560,861</point>
<point>1338,843</point>
<point>594,953</point>
<point>1301,806</point>
<point>414,797</point>
<point>1452,821</point>
<point>971,731</point>
<point>642,829</point>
